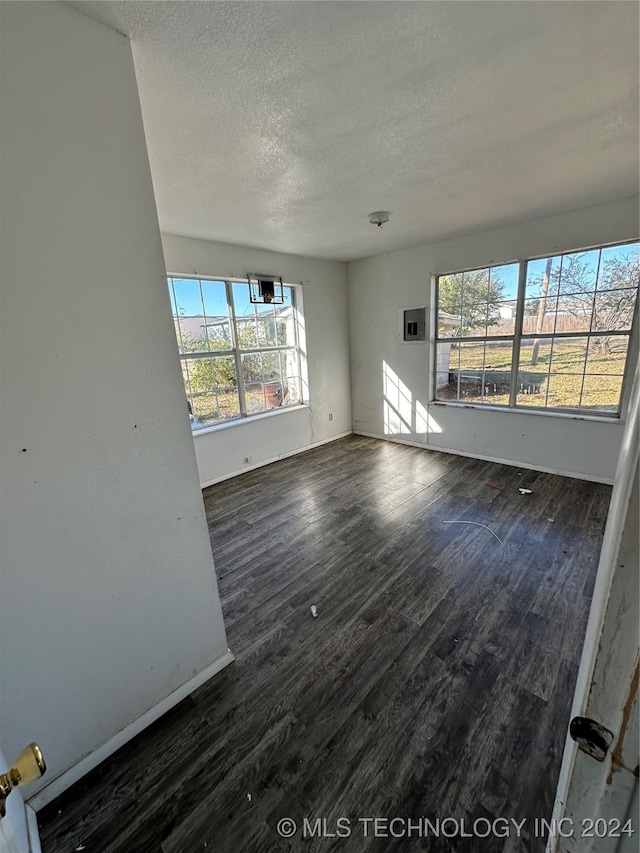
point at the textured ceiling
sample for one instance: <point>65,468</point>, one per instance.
<point>284,124</point>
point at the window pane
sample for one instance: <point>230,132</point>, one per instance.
<point>607,354</point>
<point>497,373</point>
<point>266,324</point>
<point>601,393</point>
<point>293,392</point>
<point>573,313</point>
<point>543,277</point>
<point>579,272</point>
<point>477,303</point>
<point>470,371</point>
<point>619,275</point>
<point>535,355</point>
<point>252,367</point>
<point>535,361</point>
<point>505,319</point>
<point>276,393</point>
<point>613,309</point>
<point>450,305</point>
<point>447,364</point>
<point>266,385</point>
<point>253,379</point>
<point>450,293</point>
<point>564,391</point>
<point>172,297</point>
<point>247,332</point>
<point>189,317</point>
<point>568,355</point>
<point>216,314</point>
<point>449,325</point>
<point>475,308</point>
<point>619,267</point>
<point>474,320</point>
<point>504,282</point>
<point>540,315</point>
<point>532,390</point>
<point>474,305</point>
<point>285,320</point>
<point>254,398</point>
<point>188,299</point>
<point>564,383</point>
<point>560,292</point>
<point>553,377</point>
<point>541,295</point>
<point>474,372</point>
<point>212,387</point>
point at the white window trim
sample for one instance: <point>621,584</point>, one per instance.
<point>258,416</point>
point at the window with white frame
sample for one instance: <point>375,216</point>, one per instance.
<point>547,334</point>
<point>238,358</point>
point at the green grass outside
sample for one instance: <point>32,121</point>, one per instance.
<point>555,381</point>
<point>210,408</point>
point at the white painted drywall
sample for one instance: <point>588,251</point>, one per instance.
<point>223,451</point>
<point>378,286</point>
<point>108,591</point>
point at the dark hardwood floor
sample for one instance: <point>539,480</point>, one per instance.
<point>434,683</point>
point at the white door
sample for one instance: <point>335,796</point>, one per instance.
<point>596,801</point>
<point>13,827</point>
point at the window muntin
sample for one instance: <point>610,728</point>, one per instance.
<point>238,359</point>
<point>556,341</point>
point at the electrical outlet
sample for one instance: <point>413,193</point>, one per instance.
<point>331,416</point>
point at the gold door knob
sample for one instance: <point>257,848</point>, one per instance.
<point>27,767</point>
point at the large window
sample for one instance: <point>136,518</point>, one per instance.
<point>551,333</point>
<point>238,358</point>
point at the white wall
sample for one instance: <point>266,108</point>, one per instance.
<point>108,591</point>
<point>222,451</point>
<point>379,286</point>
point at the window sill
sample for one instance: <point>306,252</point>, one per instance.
<point>272,413</point>
<point>571,416</point>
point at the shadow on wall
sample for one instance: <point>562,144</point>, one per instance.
<point>401,415</point>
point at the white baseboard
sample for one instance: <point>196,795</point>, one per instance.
<point>77,771</point>
<point>607,481</point>
<point>272,459</point>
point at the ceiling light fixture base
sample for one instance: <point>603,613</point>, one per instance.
<point>379,217</point>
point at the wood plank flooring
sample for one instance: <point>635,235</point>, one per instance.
<point>435,682</point>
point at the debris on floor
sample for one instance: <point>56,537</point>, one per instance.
<point>477,524</point>
<point>498,488</point>
<point>314,611</point>
<point>249,797</point>
<point>551,520</point>
<point>525,491</point>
